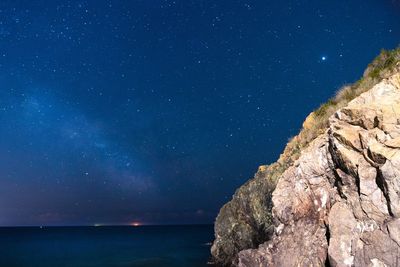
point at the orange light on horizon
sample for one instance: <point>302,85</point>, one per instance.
<point>135,224</point>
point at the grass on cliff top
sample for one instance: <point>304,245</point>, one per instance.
<point>317,122</point>
<point>381,67</point>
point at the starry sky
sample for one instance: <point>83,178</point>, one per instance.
<point>150,111</point>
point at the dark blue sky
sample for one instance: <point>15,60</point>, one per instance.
<point>156,111</point>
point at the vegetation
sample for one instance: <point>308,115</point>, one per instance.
<point>247,219</point>
<point>386,61</point>
<point>317,122</point>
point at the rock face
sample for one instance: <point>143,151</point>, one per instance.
<point>246,221</point>
<point>338,204</point>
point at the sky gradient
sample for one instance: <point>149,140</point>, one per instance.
<point>114,112</point>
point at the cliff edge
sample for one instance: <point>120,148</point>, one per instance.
<point>333,196</point>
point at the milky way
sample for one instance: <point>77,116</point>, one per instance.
<point>113,112</point>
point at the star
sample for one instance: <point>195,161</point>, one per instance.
<point>324,58</point>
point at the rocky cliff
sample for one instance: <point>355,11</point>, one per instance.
<point>333,197</point>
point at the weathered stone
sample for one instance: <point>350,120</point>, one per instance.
<point>246,220</point>
<point>354,210</point>
<point>393,143</point>
<point>338,204</point>
<point>341,226</point>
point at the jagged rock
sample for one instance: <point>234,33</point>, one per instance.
<point>245,221</point>
<point>300,210</point>
<point>335,204</point>
<point>344,191</point>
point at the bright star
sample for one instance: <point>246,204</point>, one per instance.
<point>323,58</point>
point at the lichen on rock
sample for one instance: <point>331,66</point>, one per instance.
<point>245,221</point>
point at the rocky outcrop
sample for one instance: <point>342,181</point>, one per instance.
<point>337,204</point>
<point>340,201</point>
<point>246,220</point>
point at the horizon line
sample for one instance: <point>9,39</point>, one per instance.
<point>105,225</point>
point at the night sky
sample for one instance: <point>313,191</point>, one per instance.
<point>114,112</point>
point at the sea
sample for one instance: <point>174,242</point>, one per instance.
<point>106,246</point>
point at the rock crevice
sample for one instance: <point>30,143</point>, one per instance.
<point>338,204</point>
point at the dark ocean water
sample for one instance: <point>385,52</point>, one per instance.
<point>145,246</point>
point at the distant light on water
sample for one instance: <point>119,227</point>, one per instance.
<point>83,248</point>
<point>135,224</point>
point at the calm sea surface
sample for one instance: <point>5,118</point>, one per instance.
<point>106,246</point>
